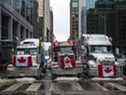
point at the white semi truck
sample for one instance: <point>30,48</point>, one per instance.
<point>31,57</point>
<point>97,49</point>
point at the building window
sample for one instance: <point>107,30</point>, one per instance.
<point>75,4</point>
<point>27,34</point>
<point>5,27</point>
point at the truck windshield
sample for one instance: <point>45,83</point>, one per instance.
<point>66,50</point>
<point>100,49</point>
<point>32,51</point>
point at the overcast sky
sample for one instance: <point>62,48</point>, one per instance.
<point>61,18</point>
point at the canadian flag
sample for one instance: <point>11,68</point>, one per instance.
<point>107,71</point>
<point>21,61</point>
<point>67,62</point>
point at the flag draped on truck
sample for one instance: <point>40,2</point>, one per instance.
<point>106,71</point>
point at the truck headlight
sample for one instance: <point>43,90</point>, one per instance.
<point>117,63</point>
<point>92,64</point>
<point>100,60</point>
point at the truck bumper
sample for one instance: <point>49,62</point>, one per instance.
<point>23,72</point>
<point>93,72</point>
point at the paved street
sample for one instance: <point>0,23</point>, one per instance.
<point>60,86</point>
<point>68,86</point>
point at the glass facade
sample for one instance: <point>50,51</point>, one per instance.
<point>107,17</point>
<point>8,2</point>
<point>98,13</point>
<point>91,17</point>
<point>90,4</point>
<point>17,5</point>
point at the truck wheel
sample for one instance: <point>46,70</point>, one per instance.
<point>53,76</point>
<point>79,75</point>
<point>83,75</point>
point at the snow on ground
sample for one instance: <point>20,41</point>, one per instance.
<point>107,78</point>
<point>67,78</point>
<point>25,79</point>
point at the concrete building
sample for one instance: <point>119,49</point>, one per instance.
<point>40,8</point>
<point>51,33</point>
<point>41,19</point>
<point>27,9</point>
<point>81,13</point>
<point>44,19</point>
<point>16,24</point>
<point>74,19</point>
<point>83,23</point>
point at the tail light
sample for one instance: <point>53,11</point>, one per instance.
<point>14,60</point>
<point>29,61</point>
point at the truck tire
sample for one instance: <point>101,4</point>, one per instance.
<point>53,76</point>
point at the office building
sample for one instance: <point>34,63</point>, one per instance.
<point>17,21</point>
<point>108,17</point>
<point>74,19</point>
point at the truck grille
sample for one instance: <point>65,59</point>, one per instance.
<point>106,62</point>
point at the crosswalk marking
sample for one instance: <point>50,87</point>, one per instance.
<point>118,86</point>
<point>67,79</point>
<point>101,87</point>
<point>76,86</point>
<point>14,87</point>
<point>62,88</point>
<point>34,87</point>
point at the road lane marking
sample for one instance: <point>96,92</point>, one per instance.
<point>118,86</point>
<point>101,87</point>
<point>76,86</point>
<point>33,87</point>
<point>14,87</point>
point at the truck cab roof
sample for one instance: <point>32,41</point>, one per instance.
<point>96,39</point>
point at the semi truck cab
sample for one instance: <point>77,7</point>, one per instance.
<point>100,57</point>
<point>64,61</point>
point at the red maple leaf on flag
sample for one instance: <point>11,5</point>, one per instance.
<point>21,60</point>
